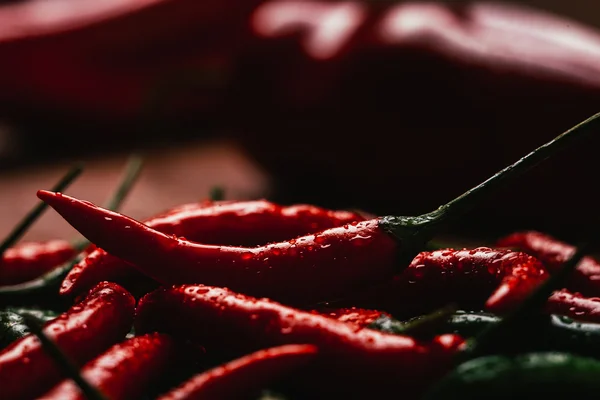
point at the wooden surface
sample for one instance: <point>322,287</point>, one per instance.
<point>170,177</point>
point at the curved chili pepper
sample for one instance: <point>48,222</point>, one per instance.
<point>358,316</point>
<point>302,270</point>
<point>124,371</point>
<point>574,305</point>
<point>248,223</point>
<point>246,375</point>
<point>471,275</point>
<point>553,253</point>
<point>45,288</point>
<point>88,328</point>
<point>340,259</point>
<point>27,261</point>
<point>238,222</point>
<point>230,323</point>
<point>560,375</point>
<point>473,278</point>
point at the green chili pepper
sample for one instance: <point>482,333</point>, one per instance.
<point>558,375</point>
<point>555,332</point>
<point>464,323</point>
<point>41,314</point>
<point>12,327</point>
<point>423,325</point>
<point>12,324</point>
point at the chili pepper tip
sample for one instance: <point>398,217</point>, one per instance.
<point>46,195</point>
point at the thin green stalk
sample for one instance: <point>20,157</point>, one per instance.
<point>115,200</point>
<point>63,362</point>
<point>417,326</point>
<point>37,211</point>
<point>417,230</point>
<point>132,172</point>
<point>426,322</point>
<point>465,201</point>
<point>217,193</point>
<point>52,278</point>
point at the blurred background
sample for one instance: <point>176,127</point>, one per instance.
<point>390,107</point>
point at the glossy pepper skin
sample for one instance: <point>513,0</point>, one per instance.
<point>29,260</point>
<point>553,253</point>
<point>475,278</point>
<point>558,375</point>
<point>87,329</point>
<point>244,223</point>
<point>326,264</point>
<point>225,322</point>
<point>358,316</point>
<point>574,305</point>
<point>124,371</point>
<point>242,377</point>
<point>509,276</point>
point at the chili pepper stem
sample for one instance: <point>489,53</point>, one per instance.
<point>422,228</point>
<point>37,211</point>
<point>132,172</point>
<point>217,193</point>
<point>61,359</point>
<point>130,176</point>
<point>427,321</point>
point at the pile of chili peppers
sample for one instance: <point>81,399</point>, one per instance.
<point>226,299</point>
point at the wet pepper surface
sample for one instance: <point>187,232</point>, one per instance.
<point>215,300</point>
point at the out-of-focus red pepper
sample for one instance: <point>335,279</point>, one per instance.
<point>124,371</point>
<point>89,50</point>
<point>29,260</point>
<point>553,253</point>
<point>225,322</point>
<point>87,329</point>
<point>244,223</point>
<point>293,68</point>
<point>426,81</point>
<point>245,376</point>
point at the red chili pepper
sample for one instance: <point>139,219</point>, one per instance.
<point>471,275</point>
<point>495,279</point>
<point>225,322</point>
<point>244,376</point>
<point>358,316</point>
<point>124,371</point>
<point>302,270</point>
<point>553,253</point>
<point>326,264</point>
<point>29,260</point>
<point>248,223</point>
<point>574,305</point>
<point>87,329</point>
<point>236,222</point>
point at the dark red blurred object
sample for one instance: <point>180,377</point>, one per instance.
<point>392,107</point>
